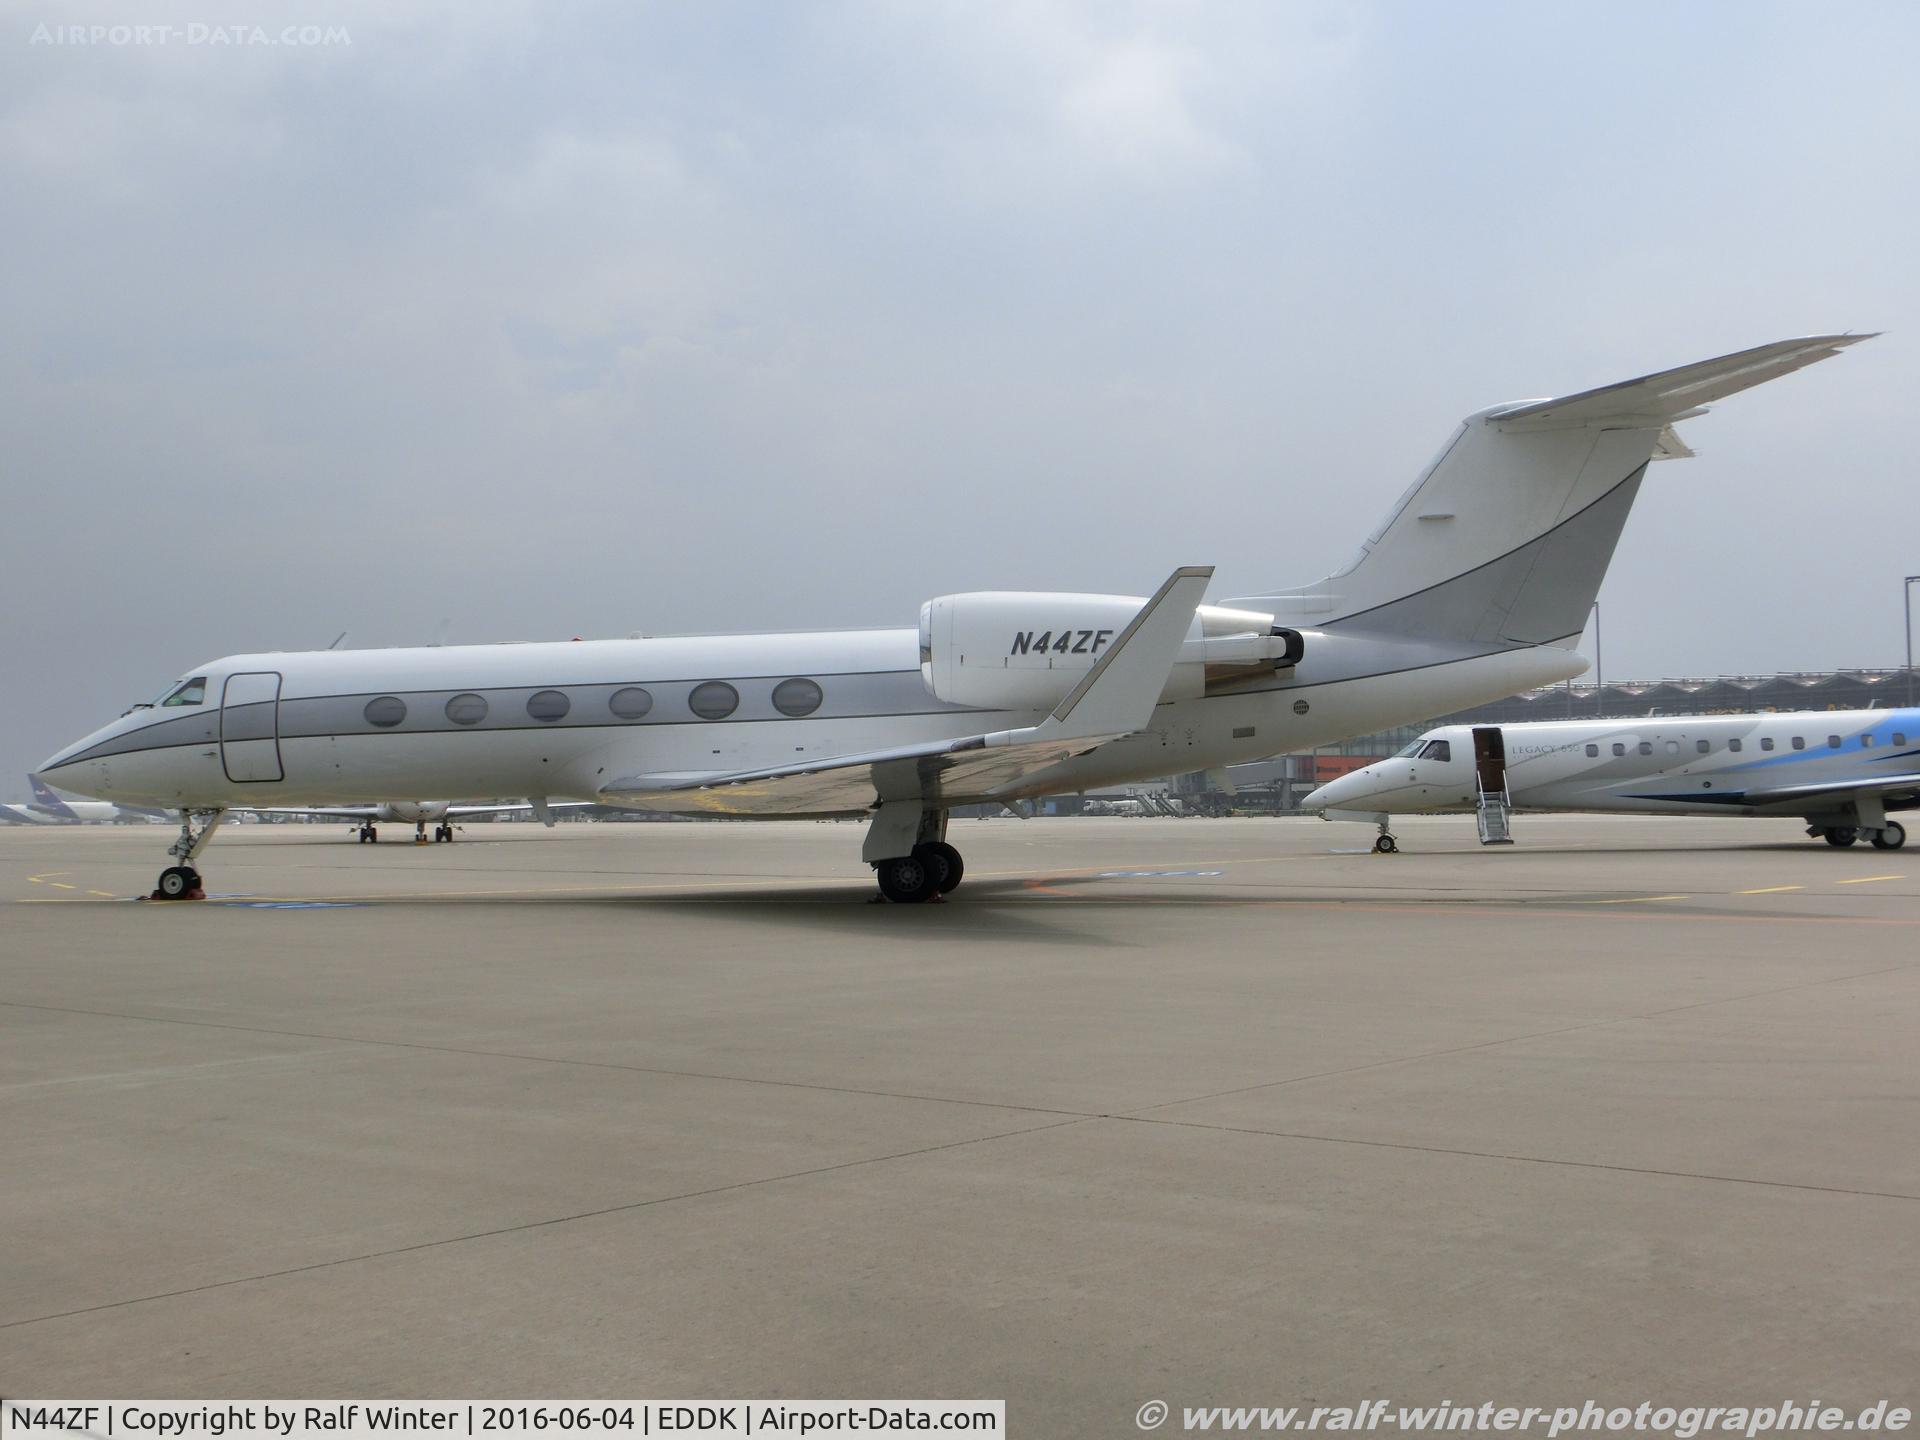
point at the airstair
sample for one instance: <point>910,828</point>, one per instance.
<point>1492,811</point>
<point>1493,804</point>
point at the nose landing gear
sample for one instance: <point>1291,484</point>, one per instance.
<point>182,881</point>
<point>1385,844</point>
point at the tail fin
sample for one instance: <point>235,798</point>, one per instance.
<point>45,799</point>
<point>1505,538</point>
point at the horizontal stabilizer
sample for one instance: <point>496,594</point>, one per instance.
<point>1675,394</point>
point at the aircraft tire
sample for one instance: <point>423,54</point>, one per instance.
<point>946,863</point>
<point>177,882</point>
<point>1891,838</point>
<point>1841,836</point>
<point>1386,845</point>
<point>907,879</point>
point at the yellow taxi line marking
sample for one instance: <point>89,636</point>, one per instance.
<point>62,885</point>
<point>1630,900</point>
<point>1771,889</point>
<point>1869,879</point>
<point>103,894</point>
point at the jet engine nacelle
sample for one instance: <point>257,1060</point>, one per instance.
<point>1024,650</point>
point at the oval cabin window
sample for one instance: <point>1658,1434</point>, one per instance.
<point>797,697</point>
<point>630,703</point>
<point>713,700</point>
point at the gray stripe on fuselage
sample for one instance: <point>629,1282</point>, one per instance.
<point>864,695</point>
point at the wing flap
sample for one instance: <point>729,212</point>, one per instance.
<point>950,772</point>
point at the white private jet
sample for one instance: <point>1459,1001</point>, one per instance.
<point>1476,585</point>
<point>1839,770</point>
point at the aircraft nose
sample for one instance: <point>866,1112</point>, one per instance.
<point>1330,795</point>
<point>68,768</point>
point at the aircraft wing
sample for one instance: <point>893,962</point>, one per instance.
<point>1116,697</point>
<point>1676,394</point>
<point>1882,785</point>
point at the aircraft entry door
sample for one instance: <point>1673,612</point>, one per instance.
<point>250,727</point>
<point>1490,760</point>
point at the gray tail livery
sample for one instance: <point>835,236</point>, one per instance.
<point>1504,541</point>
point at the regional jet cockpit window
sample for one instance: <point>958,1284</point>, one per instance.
<point>187,692</point>
<point>1437,750</point>
<point>1408,753</point>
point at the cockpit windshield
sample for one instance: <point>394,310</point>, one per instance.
<point>187,692</point>
<point>1410,751</point>
<point>1437,750</point>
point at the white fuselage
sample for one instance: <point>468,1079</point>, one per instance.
<point>1678,764</point>
<point>563,719</point>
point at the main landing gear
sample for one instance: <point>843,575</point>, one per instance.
<point>1888,835</point>
<point>928,869</point>
<point>442,832</point>
<point>182,881</point>
<point>369,834</point>
<point>932,870</point>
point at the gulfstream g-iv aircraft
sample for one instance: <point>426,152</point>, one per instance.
<point>1475,586</point>
<point>1839,770</point>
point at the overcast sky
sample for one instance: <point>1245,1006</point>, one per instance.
<point>549,321</point>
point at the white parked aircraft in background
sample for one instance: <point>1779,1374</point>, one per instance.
<point>1839,770</point>
<point>1477,585</point>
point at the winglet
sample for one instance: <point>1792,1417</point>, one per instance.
<point>1117,696</point>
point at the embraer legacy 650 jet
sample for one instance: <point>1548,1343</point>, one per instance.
<point>1839,770</point>
<point>1476,585</point>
